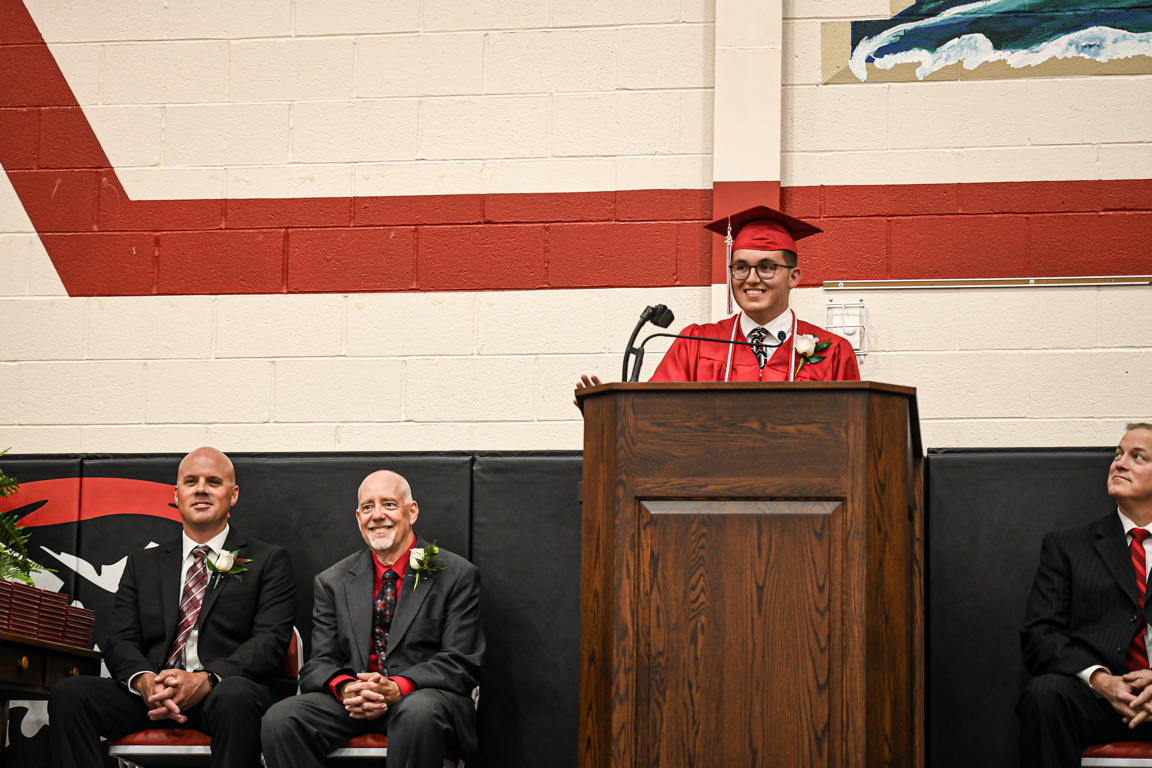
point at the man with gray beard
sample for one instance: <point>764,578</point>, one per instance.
<point>396,646</point>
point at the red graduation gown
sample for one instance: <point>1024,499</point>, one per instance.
<point>691,360</point>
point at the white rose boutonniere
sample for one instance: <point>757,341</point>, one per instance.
<point>423,561</point>
<point>806,345</point>
<point>227,564</point>
<point>808,349</point>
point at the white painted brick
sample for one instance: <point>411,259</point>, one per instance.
<point>801,53</point>
<point>279,325</point>
<point>41,439</point>
<point>939,434</point>
<point>272,437</point>
<point>395,324</point>
<point>339,390</point>
<point>81,393</point>
<point>837,9</point>
<point>484,14</point>
<point>173,183</point>
<point>420,178</point>
<point>530,436</point>
<point>144,438</point>
<point>1088,110</point>
<point>229,19</point>
<point>61,20</point>
<point>255,134</point>
<point>1125,316</point>
<point>1115,383</point>
<point>544,322</point>
<point>747,114</point>
<point>1028,164</point>
<point>970,113</point>
<point>420,65</point>
<point>696,121</point>
<point>209,391</point>
<point>825,118</point>
<point>9,393</point>
<point>42,329</point>
<point>470,389</point>
<point>15,252</point>
<point>664,172</point>
<point>698,10</point>
<point>900,321</point>
<point>356,17</point>
<point>924,166</point>
<point>549,175</point>
<point>616,124</point>
<point>1110,431</point>
<point>359,131</point>
<point>289,181</point>
<point>43,279</point>
<point>875,367</point>
<point>591,13</point>
<point>689,305</point>
<point>130,136</point>
<point>80,63</point>
<point>165,73</point>
<point>556,381</point>
<point>1032,318</point>
<point>801,169</point>
<point>1125,161</point>
<point>13,218</point>
<point>294,69</point>
<point>487,127</point>
<point>404,436</point>
<point>1026,433</point>
<point>147,327</point>
<point>673,56</point>
<point>551,61</point>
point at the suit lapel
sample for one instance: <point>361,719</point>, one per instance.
<point>233,542</point>
<point>411,598</point>
<point>1113,549</point>
<point>358,599</point>
<point>170,585</point>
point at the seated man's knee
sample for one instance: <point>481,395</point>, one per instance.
<point>421,708</point>
<point>281,718</point>
<point>1048,693</point>
<point>238,696</point>
<point>69,694</point>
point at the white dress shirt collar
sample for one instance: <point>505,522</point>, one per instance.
<point>215,544</point>
<point>782,322</point>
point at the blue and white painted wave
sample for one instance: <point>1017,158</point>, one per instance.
<point>937,33</point>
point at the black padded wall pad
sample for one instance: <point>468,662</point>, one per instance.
<point>987,512</point>
<point>526,542</point>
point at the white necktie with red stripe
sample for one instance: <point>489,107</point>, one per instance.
<point>190,601</point>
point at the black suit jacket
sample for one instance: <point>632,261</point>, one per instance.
<point>435,639</point>
<point>1083,607</point>
<point>245,624</point>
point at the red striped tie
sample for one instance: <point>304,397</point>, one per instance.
<point>1137,656</point>
<point>193,596</point>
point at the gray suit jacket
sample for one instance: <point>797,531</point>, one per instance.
<point>435,640</point>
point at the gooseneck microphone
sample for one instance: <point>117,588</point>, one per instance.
<point>782,335</point>
<point>658,315</point>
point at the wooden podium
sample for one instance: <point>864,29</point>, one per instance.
<point>751,576</point>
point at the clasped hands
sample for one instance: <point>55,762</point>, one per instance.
<point>169,692</point>
<point>1128,694</point>
<point>368,696</point>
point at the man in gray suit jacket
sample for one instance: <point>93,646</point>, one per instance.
<point>396,646</point>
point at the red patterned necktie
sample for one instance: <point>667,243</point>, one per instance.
<point>1137,656</point>
<point>190,601</point>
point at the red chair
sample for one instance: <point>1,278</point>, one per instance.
<point>374,747</point>
<point>184,746</point>
<point>1122,754</point>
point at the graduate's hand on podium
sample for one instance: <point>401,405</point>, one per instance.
<point>586,381</point>
<point>1121,694</point>
<point>1141,682</point>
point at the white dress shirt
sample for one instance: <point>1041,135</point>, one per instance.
<point>782,322</point>
<point>1129,526</point>
<point>215,544</point>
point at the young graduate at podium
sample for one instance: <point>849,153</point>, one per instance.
<point>762,270</point>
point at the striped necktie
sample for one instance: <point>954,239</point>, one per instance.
<point>1137,656</point>
<point>190,602</point>
<point>757,338</point>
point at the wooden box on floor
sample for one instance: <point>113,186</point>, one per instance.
<point>751,576</point>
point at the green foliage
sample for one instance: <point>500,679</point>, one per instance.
<point>14,562</point>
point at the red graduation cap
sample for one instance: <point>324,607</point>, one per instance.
<point>763,229</point>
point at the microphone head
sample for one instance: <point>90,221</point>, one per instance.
<point>782,335</point>
<point>662,316</point>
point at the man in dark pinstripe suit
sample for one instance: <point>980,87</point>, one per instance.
<point>1086,629</point>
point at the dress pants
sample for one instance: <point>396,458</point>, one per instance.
<point>82,709</point>
<point>1060,716</point>
<point>300,731</point>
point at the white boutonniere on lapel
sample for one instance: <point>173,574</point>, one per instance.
<point>423,560</point>
<point>227,564</point>
<point>808,348</point>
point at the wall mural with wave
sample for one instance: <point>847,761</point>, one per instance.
<point>991,39</point>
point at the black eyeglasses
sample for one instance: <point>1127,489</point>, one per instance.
<point>765,269</point>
